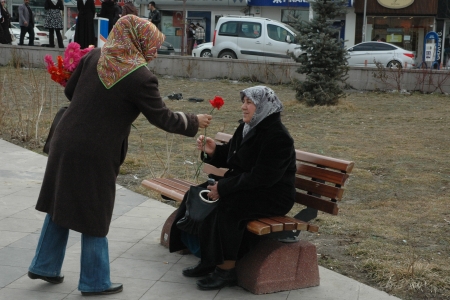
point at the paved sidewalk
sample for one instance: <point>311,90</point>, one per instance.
<point>147,270</point>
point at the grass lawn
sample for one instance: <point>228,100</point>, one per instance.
<point>392,231</point>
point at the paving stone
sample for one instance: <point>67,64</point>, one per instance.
<point>127,197</point>
<point>9,237</point>
<point>69,285</point>
<point>10,274</point>
<point>18,225</point>
<point>153,237</point>
<point>16,257</point>
<point>176,291</point>
<point>31,240</point>
<point>154,252</point>
<point>141,269</point>
<point>148,212</point>
<point>126,234</point>
<point>17,294</point>
<point>30,214</point>
<point>137,223</point>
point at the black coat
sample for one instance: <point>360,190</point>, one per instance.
<point>110,11</point>
<point>89,144</point>
<point>5,35</point>
<point>260,182</point>
<point>84,31</point>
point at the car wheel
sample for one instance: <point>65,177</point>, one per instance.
<point>206,53</point>
<point>227,54</point>
<point>394,64</point>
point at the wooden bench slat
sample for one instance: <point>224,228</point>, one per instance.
<point>172,183</point>
<point>223,137</point>
<point>210,169</point>
<point>300,224</point>
<point>323,174</point>
<point>288,223</point>
<point>313,228</point>
<point>274,225</point>
<point>316,187</point>
<point>258,228</point>
<point>173,194</point>
<point>329,162</point>
<point>317,203</point>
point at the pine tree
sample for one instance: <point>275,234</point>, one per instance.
<point>325,61</point>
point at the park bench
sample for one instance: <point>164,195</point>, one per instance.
<point>281,261</point>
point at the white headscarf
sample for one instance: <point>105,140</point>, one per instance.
<point>266,103</point>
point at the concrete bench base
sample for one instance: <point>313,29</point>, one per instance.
<point>274,266</point>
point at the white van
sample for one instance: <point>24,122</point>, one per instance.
<point>253,38</point>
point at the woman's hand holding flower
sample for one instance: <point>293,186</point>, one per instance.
<point>209,147</point>
<point>204,120</point>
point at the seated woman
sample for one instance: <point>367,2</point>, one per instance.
<point>259,183</point>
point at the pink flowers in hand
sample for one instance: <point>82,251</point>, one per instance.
<point>72,56</point>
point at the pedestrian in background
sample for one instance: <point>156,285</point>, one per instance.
<point>110,11</point>
<point>5,24</point>
<point>129,9</point>
<point>199,34</point>
<point>26,22</point>
<point>190,38</point>
<point>53,21</point>
<point>154,15</point>
<point>84,31</point>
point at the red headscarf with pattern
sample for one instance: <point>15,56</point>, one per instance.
<point>132,43</point>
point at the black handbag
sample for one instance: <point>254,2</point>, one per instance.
<point>55,122</point>
<point>198,207</point>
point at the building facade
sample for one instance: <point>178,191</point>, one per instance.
<point>405,23</point>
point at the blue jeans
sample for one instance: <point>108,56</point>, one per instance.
<point>51,249</point>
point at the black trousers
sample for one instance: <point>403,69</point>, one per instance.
<point>24,30</point>
<point>51,33</point>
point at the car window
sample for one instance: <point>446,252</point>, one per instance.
<point>363,47</point>
<point>250,30</point>
<point>384,47</point>
<point>229,28</point>
<point>278,33</point>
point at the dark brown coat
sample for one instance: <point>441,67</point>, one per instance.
<point>259,183</point>
<point>90,142</point>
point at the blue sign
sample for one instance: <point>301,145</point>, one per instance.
<point>285,3</point>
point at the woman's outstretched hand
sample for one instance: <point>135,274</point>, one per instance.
<point>210,146</point>
<point>204,120</point>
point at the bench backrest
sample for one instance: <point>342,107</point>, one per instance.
<point>319,182</point>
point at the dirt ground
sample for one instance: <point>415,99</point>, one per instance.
<point>392,229</point>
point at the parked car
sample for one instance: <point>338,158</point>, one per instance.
<point>254,38</point>
<point>40,36</point>
<point>202,50</point>
<point>387,54</point>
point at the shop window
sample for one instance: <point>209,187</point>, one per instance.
<point>292,16</point>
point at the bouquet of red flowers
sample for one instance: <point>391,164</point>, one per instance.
<point>61,72</point>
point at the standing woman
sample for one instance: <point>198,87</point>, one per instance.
<point>108,90</point>
<point>128,8</point>
<point>110,11</point>
<point>84,31</point>
<point>53,21</point>
<point>5,17</point>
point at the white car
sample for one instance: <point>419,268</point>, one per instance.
<point>370,53</point>
<point>254,38</point>
<point>40,36</point>
<point>202,50</point>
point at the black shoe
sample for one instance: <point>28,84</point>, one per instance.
<point>55,279</point>
<point>219,279</point>
<point>198,270</point>
<point>113,289</point>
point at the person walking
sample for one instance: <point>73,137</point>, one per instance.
<point>154,15</point>
<point>26,22</point>
<point>190,38</point>
<point>199,34</point>
<point>53,21</point>
<point>110,11</point>
<point>5,24</point>
<point>129,9</point>
<point>84,31</point>
<point>108,90</point>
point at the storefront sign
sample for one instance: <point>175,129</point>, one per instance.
<point>285,3</point>
<point>395,4</point>
<point>189,3</point>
